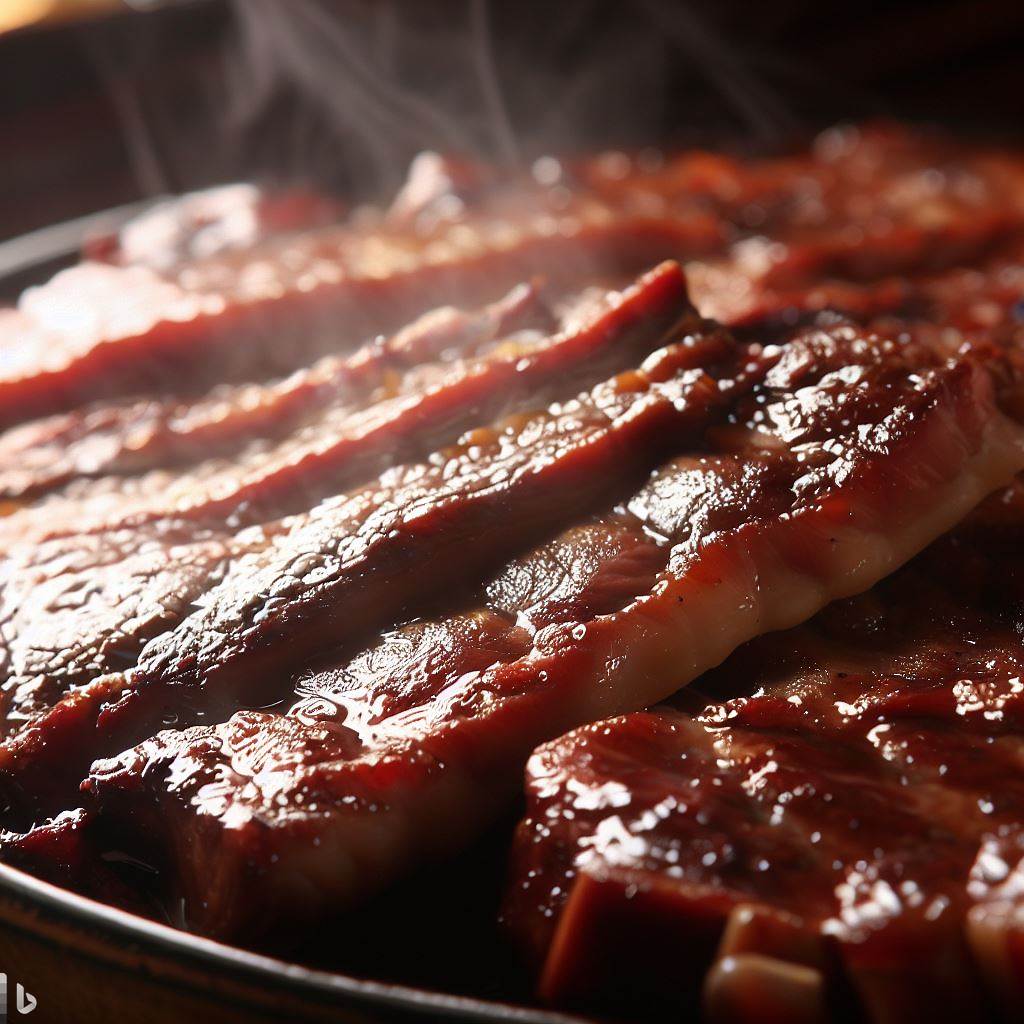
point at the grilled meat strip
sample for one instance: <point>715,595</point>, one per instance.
<point>848,833</point>
<point>862,205</point>
<point>355,689</point>
<point>945,310</point>
<point>97,331</point>
<point>840,457</point>
<point>128,438</point>
<point>361,561</point>
<point>348,442</point>
<point>82,605</point>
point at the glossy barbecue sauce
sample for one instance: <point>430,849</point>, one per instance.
<point>255,820</point>
<point>858,813</point>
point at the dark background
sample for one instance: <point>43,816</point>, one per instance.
<point>345,91</point>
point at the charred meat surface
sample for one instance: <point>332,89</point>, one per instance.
<point>311,535</point>
<point>835,457</point>
<point>277,593</point>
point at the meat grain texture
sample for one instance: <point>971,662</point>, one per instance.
<point>314,543</point>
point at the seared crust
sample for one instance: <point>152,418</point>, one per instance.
<point>331,576</point>
<point>836,463</point>
<point>854,820</point>
<point>307,631</point>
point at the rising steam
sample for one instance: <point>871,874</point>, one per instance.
<point>348,91</point>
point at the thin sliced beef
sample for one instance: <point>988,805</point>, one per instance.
<point>128,438</point>
<point>396,653</point>
<point>819,239</point>
<point>362,561</point>
<point>965,307</point>
<point>849,833</point>
<point>97,331</point>
<point>346,443</point>
<point>863,205</point>
<point>728,291</point>
<point>82,605</point>
<point>881,200</point>
<point>841,457</point>
<point>945,310</point>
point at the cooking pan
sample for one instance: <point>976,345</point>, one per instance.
<point>85,962</point>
